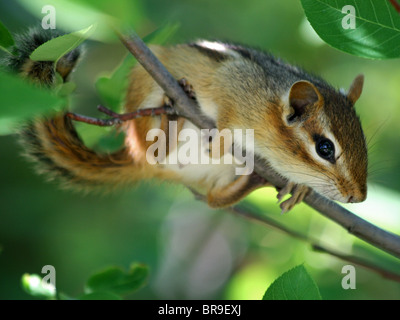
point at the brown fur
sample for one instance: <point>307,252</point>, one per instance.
<point>239,88</point>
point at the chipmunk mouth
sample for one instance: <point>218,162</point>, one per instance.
<point>357,197</point>
<point>339,197</point>
<point>346,191</point>
<point>354,196</point>
<point>355,192</point>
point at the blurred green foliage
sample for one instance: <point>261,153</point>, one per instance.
<point>6,40</point>
<point>191,250</point>
<point>16,106</point>
<point>34,285</point>
<point>113,283</point>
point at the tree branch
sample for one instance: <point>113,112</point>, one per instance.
<point>315,245</point>
<point>188,108</point>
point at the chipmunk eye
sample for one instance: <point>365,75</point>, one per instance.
<point>326,149</point>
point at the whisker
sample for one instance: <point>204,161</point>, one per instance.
<point>331,178</point>
<point>381,126</point>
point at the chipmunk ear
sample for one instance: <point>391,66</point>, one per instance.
<point>302,95</point>
<point>356,89</point>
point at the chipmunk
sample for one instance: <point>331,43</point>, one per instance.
<point>305,129</point>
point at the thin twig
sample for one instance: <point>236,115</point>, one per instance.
<point>359,261</point>
<point>119,118</point>
<point>108,111</point>
<point>150,112</point>
<point>189,109</point>
<point>94,121</point>
<point>396,5</point>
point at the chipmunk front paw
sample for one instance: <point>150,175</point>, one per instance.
<point>187,87</point>
<point>298,191</point>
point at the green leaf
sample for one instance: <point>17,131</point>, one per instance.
<point>101,139</point>
<point>112,89</point>
<point>377,26</point>
<point>295,284</point>
<point>110,92</point>
<point>55,48</point>
<point>163,34</point>
<point>8,126</point>
<point>91,134</point>
<point>6,39</point>
<point>33,285</point>
<point>117,281</point>
<point>21,100</point>
<point>66,89</point>
<point>59,80</point>
<point>104,295</point>
<point>111,142</point>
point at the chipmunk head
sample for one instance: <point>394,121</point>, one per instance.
<point>326,144</point>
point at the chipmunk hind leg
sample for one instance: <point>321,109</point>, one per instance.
<point>225,196</point>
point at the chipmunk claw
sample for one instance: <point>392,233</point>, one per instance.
<point>187,87</point>
<point>285,190</point>
<point>298,192</point>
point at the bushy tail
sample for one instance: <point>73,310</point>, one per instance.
<point>52,142</point>
<point>54,145</point>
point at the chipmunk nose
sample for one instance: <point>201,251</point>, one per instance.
<point>358,195</point>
